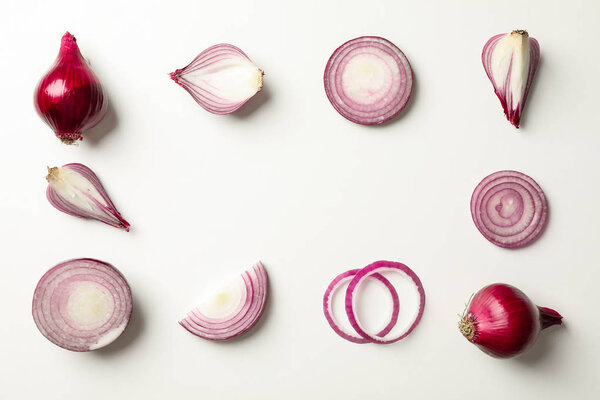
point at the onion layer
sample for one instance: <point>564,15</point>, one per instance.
<point>82,304</point>
<point>232,311</point>
<point>221,79</point>
<point>357,278</point>
<point>368,80</point>
<point>345,278</point>
<point>509,208</point>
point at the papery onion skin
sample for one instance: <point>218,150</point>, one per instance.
<point>503,322</point>
<point>383,266</point>
<point>206,92</point>
<point>70,97</point>
<point>336,283</point>
<point>256,284</point>
<point>512,103</point>
<point>509,208</point>
<point>392,99</point>
<point>54,292</point>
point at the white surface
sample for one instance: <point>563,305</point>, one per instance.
<point>290,182</point>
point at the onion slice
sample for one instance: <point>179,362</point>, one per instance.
<point>368,80</point>
<point>345,278</point>
<point>221,78</point>
<point>509,208</point>
<point>359,278</point>
<point>510,61</point>
<point>232,311</point>
<point>82,304</point>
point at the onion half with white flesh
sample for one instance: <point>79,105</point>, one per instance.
<point>221,79</point>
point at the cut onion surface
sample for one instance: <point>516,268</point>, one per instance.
<point>368,80</point>
<point>381,267</point>
<point>343,279</point>
<point>233,310</point>
<point>82,304</point>
<point>221,79</point>
<point>509,208</point>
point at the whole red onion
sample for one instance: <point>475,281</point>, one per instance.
<point>503,322</point>
<point>70,98</point>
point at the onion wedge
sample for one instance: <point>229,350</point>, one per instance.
<point>221,79</point>
<point>510,61</point>
<point>232,311</point>
<point>82,304</point>
<point>335,285</point>
<point>76,190</point>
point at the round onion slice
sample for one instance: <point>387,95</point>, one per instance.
<point>336,284</point>
<point>368,80</point>
<point>359,278</point>
<point>509,208</point>
<point>82,304</point>
<point>221,79</point>
<point>232,311</point>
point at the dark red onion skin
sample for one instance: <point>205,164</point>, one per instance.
<point>70,98</point>
<point>503,322</point>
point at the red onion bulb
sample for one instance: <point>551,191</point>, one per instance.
<point>70,98</point>
<point>503,322</point>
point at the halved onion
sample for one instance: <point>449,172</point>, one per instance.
<point>232,311</point>
<point>368,80</point>
<point>82,304</point>
<point>509,208</point>
<point>221,78</point>
<point>345,278</point>
<point>379,267</point>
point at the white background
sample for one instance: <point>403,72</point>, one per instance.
<point>290,182</point>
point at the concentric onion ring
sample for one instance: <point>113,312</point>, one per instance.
<point>509,208</point>
<point>82,304</point>
<point>233,311</point>
<point>359,278</point>
<point>336,284</point>
<point>368,80</point>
